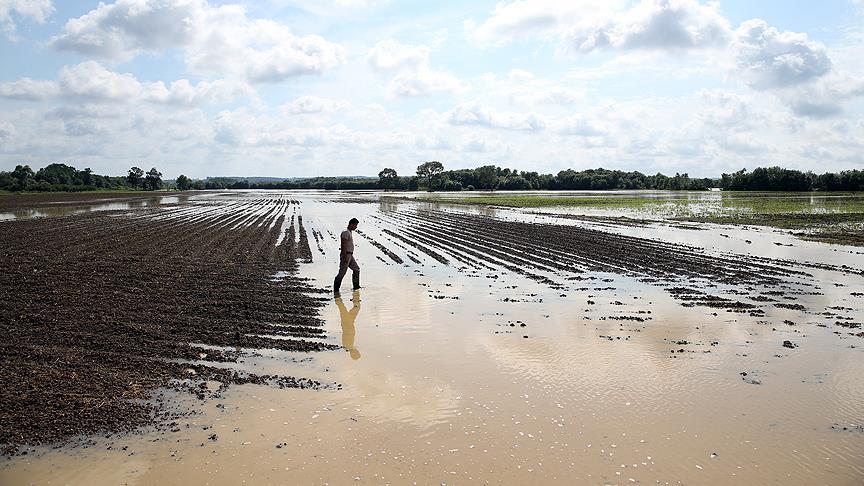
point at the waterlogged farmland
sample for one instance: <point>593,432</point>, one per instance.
<point>600,338</point>
<point>829,217</point>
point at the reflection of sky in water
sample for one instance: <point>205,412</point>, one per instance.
<point>65,209</point>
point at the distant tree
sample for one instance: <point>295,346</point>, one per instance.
<point>774,179</point>
<point>486,177</point>
<point>414,183</point>
<point>451,185</point>
<point>23,176</point>
<point>428,170</point>
<point>153,181</point>
<point>58,174</point>
<point>7,182</point>
<point>388,178</point>
<point>183,182</point>
<point>135,177</point>
<point>86,177</point>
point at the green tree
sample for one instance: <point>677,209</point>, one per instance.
<point>135,177</point>
<point>55,174</point>
<point>86,176</point>
<point>23,176</point>
<point>183,182</point>
<point>388,178</point>
<point>486,176</point>
<point>7,182</point>
<point>153,181</point>
<point>414,183</point>
<point>428,170</point>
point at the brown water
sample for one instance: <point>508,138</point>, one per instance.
<point>445,391</point>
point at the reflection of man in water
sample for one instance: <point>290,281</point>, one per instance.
<point>348,317</point>
<point>346,258</point>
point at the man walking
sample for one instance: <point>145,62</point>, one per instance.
<point>346,258</point>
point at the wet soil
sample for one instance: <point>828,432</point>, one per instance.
<point>838,236</point>
<point>547,252</point>
<point>101,310</point>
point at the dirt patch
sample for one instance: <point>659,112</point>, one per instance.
<point>101,310</point>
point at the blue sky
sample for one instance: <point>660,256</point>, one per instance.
<point>337,87</point>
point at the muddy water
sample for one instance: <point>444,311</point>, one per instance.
<point>442,383</point>
<point>67,208</point>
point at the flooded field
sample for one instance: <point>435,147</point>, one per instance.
<point>517,345</point>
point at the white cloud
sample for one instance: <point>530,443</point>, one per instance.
<point>7,130</point>
<point>389,55</point>
<point>76,128</point>
<point>414,76</point>
<point>216,40</point>
<point>582,126</point>
<point>475,145</point>
<point>556,96</point>
<point>655,24</point>
<point>525,18</point>
<point>36,10</point>
<point>126,28</point>
<point>727,111</point>
<point>259,50</point>
<point>92,81</point>
<point>330,8</point>
<point>825,97</point>
<point>29,89</point>
<point>425,81</point>
<point>239,128</point>
<point>184,93</point>
<point>314,104</point>
<point>476,114</point>
<point>523,89</point>
<point>434,142</point>
<point>589,25</point>
<point>89,81</point>
<point>794,68</point>
<point>767,58</point>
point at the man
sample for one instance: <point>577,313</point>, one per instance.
<point>346,258</point>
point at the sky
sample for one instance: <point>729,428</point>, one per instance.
<point>294,88</point>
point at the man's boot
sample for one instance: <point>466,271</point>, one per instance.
<point>355,279</point>
<point>337,282</point>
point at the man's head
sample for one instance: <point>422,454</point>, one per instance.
<point>352,224</point>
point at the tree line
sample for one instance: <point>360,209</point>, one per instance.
<point>779,179</point>
<point>65,178</point>
<point>433,177</point>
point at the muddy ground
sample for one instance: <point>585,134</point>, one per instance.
<point>101,310</point>
<point>498,345</point>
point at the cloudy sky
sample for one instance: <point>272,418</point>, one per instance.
<point>339,87</point>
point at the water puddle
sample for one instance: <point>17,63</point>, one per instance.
<point>463,373</point>
<point>66,209</point>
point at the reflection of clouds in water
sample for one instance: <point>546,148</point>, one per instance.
<point>590,371</point>
<point>393,397</point>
